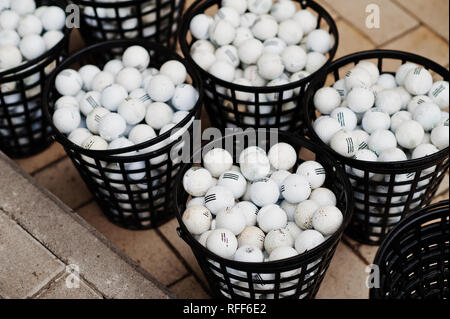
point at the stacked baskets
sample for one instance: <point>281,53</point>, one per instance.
<point>23,131</point>
<point>155,21</point>
<point>231,279</point>
<point>377,213</point>
<point>225,110</point>
<point>414,258</point>
<point>142,204</point>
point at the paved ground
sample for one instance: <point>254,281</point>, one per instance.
<point>47,251</point>
<point>411,25</point>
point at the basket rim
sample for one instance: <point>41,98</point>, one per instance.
<point>354,58</point>
<point>200,6</point>
<point>421,216</point>
<point>16,73</point>
<point>108,4</point>
<point>115,154</point>
<point>308,255</point>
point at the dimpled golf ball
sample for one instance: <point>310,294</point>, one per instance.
<point>323,197</point>
<point>234,181</point>
<point>158,115</point>
<point>327,220</point>
<point>113,96</point>
<point>344,143</point>
<point>254,164</point>
<point>199,26</point>
<point>398,118</point>
<point>264,192</point>
<point>248,210</point>
<point>278,238</point>
<point>79,135</point>
<point>326,100</point>
<point>253,236</point>
<point>222,242</point>
<point>375,119</point>
<point>428,115</point>
<point>346,118</point>
<point>94,117</point>
<point>218,198</point>
<point>282,156</point>
<point>185,97</point>
<point>308,240</point>
<point>197,181</point>
<point>357,77</point>
<point>160,88</point>
<point>314,173</point>
<point>439,93</point>
<point>325,128</point>
<point>68,82</point>
<point>232,220</point>
<point>270,66</point>
<point>381,140</point>
<point>403,71</point>
<point>295,189</point>
<point>360,99</point>
<point>132,110</point>
<point>67,119</point>
<point>111,126</point>
<point>136,57</point>
<point>249,254</point>
<point>197,219</point>
<point>388,101</point>
<point>418,81</point>
<point>217,161</point>
<point>440,136</point>
<point>271,217</point>
<point>409,134</point>
<point>304,213</point>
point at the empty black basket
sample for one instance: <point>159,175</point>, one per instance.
<point>414,258</point>
<point>380,204</point>
<point>293,278</point>
<point>134,197</point>
<point>23,130</point>
<point>155,20</point>
<point>225,110</point>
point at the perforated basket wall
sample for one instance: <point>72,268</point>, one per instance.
<point>414,258</point>
<point>135,191</point>
<point>388,191</point>
<point>23,130</point>
<point>284,108</point>
<point>154,20</point>
<point>293,278</point>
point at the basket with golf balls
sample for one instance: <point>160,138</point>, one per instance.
<point>414,258</point>
<point>278,240</point>
<point>126,146</point>
<point>256,58</point>
<point>154,20</point>
<point>30,49</point>
<point>384,115</point>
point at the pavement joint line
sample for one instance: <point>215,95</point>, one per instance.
<point>412,14</point>
<point>89,228</point>
<point>356,29</point>
<point>48,165</point>
<point>183,261</point>
<point>83,205</point>
<point>47,286</point>
<point>179,280</point>
<point>355,250</point>
<point>401,35</point>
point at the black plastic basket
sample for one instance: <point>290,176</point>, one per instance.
<point>227,111</point>
<point>414,259</point>
<point>154,20</point>
<point>237,280</point>
<point>377,212</point>
<point>135,204</point>
<point>23,130</point>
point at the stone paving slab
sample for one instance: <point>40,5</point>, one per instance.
<point>71,239</point>
<point>25,265</point>
<point>59,290</point>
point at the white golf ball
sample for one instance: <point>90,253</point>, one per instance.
<point>308,240</point>
<point>323,197</point>
<point>374,119</point>
<point>217,161</point>
<point>295,189</point>
<point>409,134</point>
<point>325,128</point>
<point>197,219</point>
<point>102,80</point>
<point>112,126</point>
<point>440,136</point>
<point>264,192</point>
<point>326,100</point>
<point>132,110</point>
<point>234,181</point>
<point>314,173</point>
<point>197,181</point>
<point>67,119</point>
<point>418,81</point>
<point>270,66</point>
<point>304,213</point>
<point>282,156</point>
<point>199,26</point>
<point>360,100</point>
<point>222,242</point>
<point>136,57</point>
<point>327,220</point>
<point>439,94</point>
<point>88,73</point>
<point>344,143</point>
<point>113,96</point>
<point>68,82</point>
<point>271,217</point>
<point>319,41</point>
<point>218,198</point>
<point>253,236</point>
<point>381,140</point>
<point>388,101</point>
<point>346,118</point>
<point>278,238</point>
<point>294,58</point>
<point>428,115</point>
<point>291,32</point>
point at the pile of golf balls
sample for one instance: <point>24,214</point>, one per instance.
<point>259,43</point>
<point>123,104</point>
<point>125,22</point>
<point>28,31</point>
<point>262,210</point>
<point>386,117</point>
